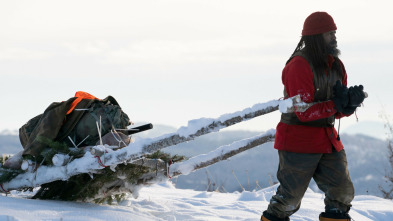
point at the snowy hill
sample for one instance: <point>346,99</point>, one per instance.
<point>165,202</point>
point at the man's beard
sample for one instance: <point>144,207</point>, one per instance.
<point>332,48</point>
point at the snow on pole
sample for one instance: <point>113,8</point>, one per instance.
<point>293,104</point>
<point>220,154</point>
<point>199,127</point>
<point>60,159</point>
<point>208,125</point>
<point>195,128</point>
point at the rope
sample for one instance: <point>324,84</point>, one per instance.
<point>338,135</point>
<point>99,161</point>
<point>2,188</point>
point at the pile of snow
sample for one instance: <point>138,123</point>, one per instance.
<point>165,202</point>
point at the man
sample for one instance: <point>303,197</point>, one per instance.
<point>307,142</point>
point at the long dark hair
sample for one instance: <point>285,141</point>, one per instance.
<point>316,50</point>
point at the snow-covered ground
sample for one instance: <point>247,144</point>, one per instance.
<point>165,202</point>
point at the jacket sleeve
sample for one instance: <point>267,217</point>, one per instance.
<point>297,78</point>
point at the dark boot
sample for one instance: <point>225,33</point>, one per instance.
<point>334,217</point>
<point>268,217</point>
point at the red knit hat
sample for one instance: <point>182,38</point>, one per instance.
<point>318,23</point>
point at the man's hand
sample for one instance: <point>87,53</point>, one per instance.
<point>341,97</point>
<point>356,95</point>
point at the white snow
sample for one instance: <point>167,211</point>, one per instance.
<point>164,202</point>
<point>194,125</point>
<point>60,159</point>
<point>255,107</point>
<point>285,105</point>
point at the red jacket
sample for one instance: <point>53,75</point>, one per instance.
<point>297,78</point>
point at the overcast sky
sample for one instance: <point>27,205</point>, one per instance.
<point>167,62</point>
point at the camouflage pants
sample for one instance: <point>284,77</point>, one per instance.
<point>295,171</point>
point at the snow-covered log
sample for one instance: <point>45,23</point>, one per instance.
<point>220,154</point>
<point>204,160</point>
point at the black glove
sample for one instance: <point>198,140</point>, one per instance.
<point>348,110</point>
<point>341,97</point>
<point>356,96</point>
